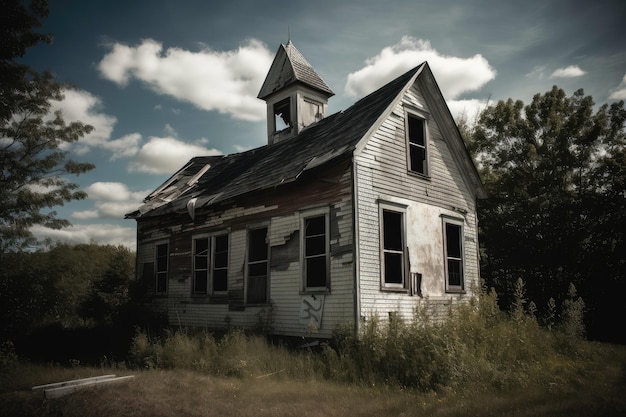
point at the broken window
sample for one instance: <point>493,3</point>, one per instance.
<point>210,271</point>
<point>315,252</point>
<point>418,161</point>
<point>161,255</point>
<point>282,115</point>
<point>257,266</point>
<point>393,249</point>
<point>454,255</point>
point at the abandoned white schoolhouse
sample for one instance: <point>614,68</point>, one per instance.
<point>371,210</point>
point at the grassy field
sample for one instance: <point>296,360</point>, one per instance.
<point>600,390</point>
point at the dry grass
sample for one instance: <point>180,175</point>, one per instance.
<point>189,393</point>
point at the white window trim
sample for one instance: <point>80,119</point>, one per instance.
<point>247,263</point>
<point>210,262</point>
<point>402,209</point>
<point>424,117</point>
<point>308,214</point>
<point>156,266</point>
<point>193,265</point>
<point>212,269</point>
<point>458,222</point>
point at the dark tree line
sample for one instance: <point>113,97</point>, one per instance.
<point>67,286</point>
<point>555,172</point>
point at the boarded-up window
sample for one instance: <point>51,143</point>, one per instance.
<point>418,161</point>
<point>161,258</point>
<point>454,256</point>
<point>257,266</point>
<point>393,248</point>
<point>315,251</point>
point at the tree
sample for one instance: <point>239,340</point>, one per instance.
<point>34,164</point>
<point>554,171</point>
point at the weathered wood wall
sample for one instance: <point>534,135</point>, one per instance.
<point>382,175</point>
<point>280,210</point>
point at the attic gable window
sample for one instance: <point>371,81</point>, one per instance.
<point>417,144</point>
<point>282,115</point>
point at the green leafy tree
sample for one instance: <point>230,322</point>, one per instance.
<point>34,165</point>
<point>554,170</point>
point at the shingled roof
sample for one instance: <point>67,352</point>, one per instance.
<point>289,67</point>
<point>213,179</point>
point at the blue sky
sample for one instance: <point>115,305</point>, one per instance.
<point>163,81</point>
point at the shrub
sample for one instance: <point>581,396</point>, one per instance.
<point>477,347</point>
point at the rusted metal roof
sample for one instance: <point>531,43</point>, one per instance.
<point>271,166</point>
<point>289,67</point>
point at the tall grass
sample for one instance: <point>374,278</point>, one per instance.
<point>477,347</point>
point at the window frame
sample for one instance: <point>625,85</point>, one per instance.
<point>210,263</point>
<point>423,117</point>
<point>453,221</point>
<point>157,271</point>
<point>402,211</point>
<point>284,104</point>
<point>194,268</point>
<point>248,263</point>
<point>304,216</point>
<point>213,267</point>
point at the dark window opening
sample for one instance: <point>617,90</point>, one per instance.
<point>417,145</point>
<point>220,264</point>
<point>315,252</point>
<point>257,266</point>
<point>393,247</point>
<point>161,268</point>
<point>201,266</point>
<point>282,115</point>
<point>454,255</point>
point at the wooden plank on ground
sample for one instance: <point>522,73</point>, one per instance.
<point>61,391</point>
<point>71,382</point>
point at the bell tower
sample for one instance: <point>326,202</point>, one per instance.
<point>295,94</point>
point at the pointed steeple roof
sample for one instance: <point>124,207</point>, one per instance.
<point>291,67</point>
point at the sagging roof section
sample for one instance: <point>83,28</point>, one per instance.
<point>270,166</point>
<point>289,67</point>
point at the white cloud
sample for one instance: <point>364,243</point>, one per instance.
<point>537,72</point>
<point>170,130</point>
<point>82,106</point>
<point>104,234</point>
<point>112,201</point>
<point>620,92</point>
<point>454,75</point>
<point>113,191</point>
<point>167,155</point>
<point>226,81</point>
<point>124,147</point>
<point>568,72</point>
<point>467,108</point>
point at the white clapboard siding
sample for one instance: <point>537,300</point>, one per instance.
<point>381,170</point>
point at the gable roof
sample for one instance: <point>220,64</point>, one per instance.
<point>214,179</point>
<point>290,67</point>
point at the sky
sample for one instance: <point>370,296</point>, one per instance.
<point>162,81</point>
